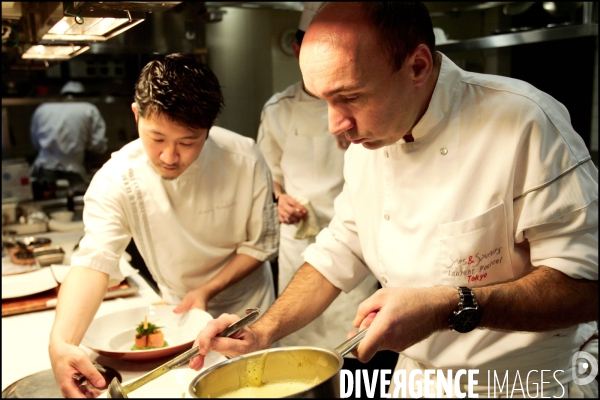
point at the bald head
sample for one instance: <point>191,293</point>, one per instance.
<point>399,27</point>
<point>337,18</point>
<point>337,37</point>
<point>373,65</point>
<point>338,24</point>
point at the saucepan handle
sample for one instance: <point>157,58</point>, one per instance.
<point>252,315</point>
<point>351,343</point>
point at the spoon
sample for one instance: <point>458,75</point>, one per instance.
<point>117,391</point>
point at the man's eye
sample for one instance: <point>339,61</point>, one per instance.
<point>351,99</point>
<point>187,144</point>
<point>158,140</point>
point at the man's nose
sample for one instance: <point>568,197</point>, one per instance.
<point>169,155</point>
<point>339,122</point>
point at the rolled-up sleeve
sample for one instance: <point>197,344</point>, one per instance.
<point>271,140</point>
<point>107,231</point>
<point>560,222</point>
<point>262,226</point>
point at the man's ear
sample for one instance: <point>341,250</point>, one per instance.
<point>421,64</point>
<point>135,110</point>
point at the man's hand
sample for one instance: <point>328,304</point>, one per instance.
<point>290,211</point>
<point>196,298</point>
<point>397,318</point>
<point>68,360</point>
<point>243,341</point>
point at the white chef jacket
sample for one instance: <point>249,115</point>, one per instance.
<point>304,159</point>
<point>495,164</point>
<point>188,228</point>
<point>62,132</point>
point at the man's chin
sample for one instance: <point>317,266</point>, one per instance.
<point>168,174</point>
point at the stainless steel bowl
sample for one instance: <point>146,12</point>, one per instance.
<point>304,364</point>
<point>46,256</point>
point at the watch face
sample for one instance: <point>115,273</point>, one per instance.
<point>466,320</point>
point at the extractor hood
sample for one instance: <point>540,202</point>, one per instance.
<point>28,27</point>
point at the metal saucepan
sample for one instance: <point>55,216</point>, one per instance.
<point>315,368</point>
<point>118,391</point>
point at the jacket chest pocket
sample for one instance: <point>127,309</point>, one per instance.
<point>475,252</point>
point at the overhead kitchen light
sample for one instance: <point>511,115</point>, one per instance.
<point>53,52</point>
<point>90,24</point>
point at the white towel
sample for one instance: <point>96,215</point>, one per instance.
<point>309,226</point>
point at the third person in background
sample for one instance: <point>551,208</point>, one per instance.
<point>307,165</point>
<point>62,132</point>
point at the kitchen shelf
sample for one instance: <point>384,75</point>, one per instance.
<point>518,38</point>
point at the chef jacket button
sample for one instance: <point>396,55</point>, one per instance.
<point>386,216</point>
<point>383,279</point>
<point>385,154</point>
<point>443,151</point>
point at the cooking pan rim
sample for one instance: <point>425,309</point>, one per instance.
<point>192,386</point>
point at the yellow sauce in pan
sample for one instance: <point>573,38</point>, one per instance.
<point>254,371</point>
<point>273,389</point>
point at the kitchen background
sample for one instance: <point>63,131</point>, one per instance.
<point>554,46</point>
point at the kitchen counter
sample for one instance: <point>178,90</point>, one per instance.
<point>25,338</point>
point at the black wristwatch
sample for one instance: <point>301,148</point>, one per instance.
<point>468,315</point>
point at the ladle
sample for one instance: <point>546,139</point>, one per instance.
<point>118,391</point>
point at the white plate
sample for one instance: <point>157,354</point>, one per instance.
<point>8,268</point>
<point>173,384</point>
<point>26,284</point>
<point>113,335</point>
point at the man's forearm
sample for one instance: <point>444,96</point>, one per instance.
<point>305,298</point>
<point>546,299</point>
<point>79,298</point>
<point>240,266</point>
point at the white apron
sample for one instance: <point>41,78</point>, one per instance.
<point>312,167</point>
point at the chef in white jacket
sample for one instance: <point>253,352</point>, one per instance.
<point>196,199</point>
<point>62,132</point>
<point>469,196</point>
<point>307,165</point>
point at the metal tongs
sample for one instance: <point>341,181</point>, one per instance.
<point>116,391</point>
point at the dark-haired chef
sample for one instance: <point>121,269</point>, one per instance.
<point>197,200</point>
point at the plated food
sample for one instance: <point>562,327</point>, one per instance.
<point>113,334</point>
<point>148,336</point>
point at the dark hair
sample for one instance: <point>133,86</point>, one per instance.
<point>180,87</point>
<point>401,27</point>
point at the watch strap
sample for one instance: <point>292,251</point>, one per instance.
<point>467,298</point>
